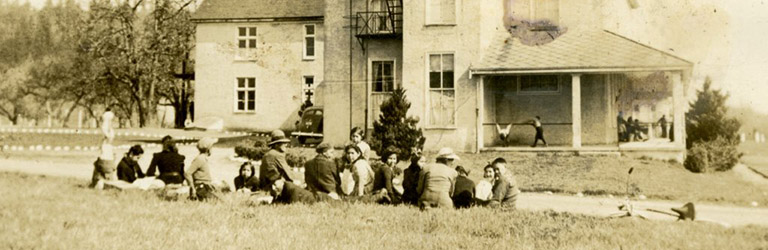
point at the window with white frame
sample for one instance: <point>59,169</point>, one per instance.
<point>245,94</point>
<point>246,43</point>
<point>441,12</point>
<point>308,90</point>
<point>309,41</point>
<point>383,76</point>
<point>538,84</point>
<point>442,94</point>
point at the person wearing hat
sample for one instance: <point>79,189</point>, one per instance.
<point>464,193</point>
<point>437,181</point>
<point>199,173</point>
<point>321,173</point>
<point>273,163</point>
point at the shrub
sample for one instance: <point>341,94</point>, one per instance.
<point>255,150</point>
<point>393,128</point>
<point>710,156</point>
<point>707,119</point>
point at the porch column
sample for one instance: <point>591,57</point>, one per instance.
<point>678,98</point>
<point>480,111</point>
<point>576,109</point>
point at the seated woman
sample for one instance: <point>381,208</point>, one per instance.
<point>199,173</point>
<point>128,169</point>
<point>169,163</point>
<point>484,187</point>
<point>361,171</point>
<point>385,173</point>
<point>463,192</point>
<point>246,182</point>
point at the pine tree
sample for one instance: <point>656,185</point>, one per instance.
<point>707,119</point>
<point>394,128</point>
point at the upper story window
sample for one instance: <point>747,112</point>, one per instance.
<point>246,43</point>
<point>441,12</point>
<point>309,41</point>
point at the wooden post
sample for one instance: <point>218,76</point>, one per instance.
<point>480,97</point>
<point>576,109</point>
<point>678,98</point>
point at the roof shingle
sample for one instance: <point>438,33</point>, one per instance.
<point>575,50</point>
<point>244,9</point>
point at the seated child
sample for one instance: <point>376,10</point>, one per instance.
<point>246,182</point>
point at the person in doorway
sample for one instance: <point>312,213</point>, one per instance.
<point>128,169</point>
<point>437,181</point>
<point>273,165</point>
<point>539,132</point>
<point>663,124</point>
<point>199,173</point>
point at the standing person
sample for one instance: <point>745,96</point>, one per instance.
<point>465,189</point>
<point>321,173</point>
<point>169,163</point>
<point>106,125</point>
<point>362,174</point>
<point>622,127</point>
<point>437,180</point>
<point>539,132</point>
<point>273,164</point>
<point>638,135</point>
<point>199,173</point>
<point>411,179</point>
<point>484,187</point>
<point>630,129</point>
<point>663,124</point>
<point>246,181</point>
<point>385,173</point>
<point>128,169</point>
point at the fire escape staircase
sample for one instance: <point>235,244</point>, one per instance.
<point>380,24</point>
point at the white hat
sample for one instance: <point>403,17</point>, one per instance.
<point>447,153</point>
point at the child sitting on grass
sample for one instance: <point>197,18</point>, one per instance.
<point>246,182</point>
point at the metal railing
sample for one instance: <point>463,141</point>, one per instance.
<point>378,23</point>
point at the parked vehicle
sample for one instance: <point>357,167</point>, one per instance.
<point>311,125</point>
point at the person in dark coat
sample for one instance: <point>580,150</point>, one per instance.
<point>246,181</point>
<point>384,174</point>
<point>663,124</point>
<point>128,169</point>
<point>539,132</point>
<point>321,173</point>
<point>169,163</point>
<point>464,192</point>
<point>273,164</point>
<point>411,180</point>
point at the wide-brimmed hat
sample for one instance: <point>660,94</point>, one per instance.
<point>278,136</point>
<point>447,153</point>
<point>206,142</point>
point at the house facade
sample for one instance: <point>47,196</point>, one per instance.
<point>471,66</point>
<point>256,65</point>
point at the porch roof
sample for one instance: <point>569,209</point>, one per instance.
<point>575,52</point>
<point>219,10</point>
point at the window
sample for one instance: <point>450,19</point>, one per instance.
<point>441,12</point>
<point>308,90</point>
<point>442,94</point>
<point>383,76</point>
<point>538,84</point>
<point>309,41</point>
<point>246,95</point>
<point>246,42</point>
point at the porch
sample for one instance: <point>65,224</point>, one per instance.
<point>584,86</point>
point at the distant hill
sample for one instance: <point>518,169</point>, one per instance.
<point>751,120</point>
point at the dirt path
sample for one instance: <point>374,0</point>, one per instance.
<point>225,169</point>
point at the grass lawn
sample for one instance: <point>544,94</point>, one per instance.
<point>58,213</point>
<point>755,156</point>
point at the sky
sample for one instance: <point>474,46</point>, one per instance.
<point>726,39</point>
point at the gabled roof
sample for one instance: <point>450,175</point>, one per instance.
<point>258,9</point>
<point>575,51</point>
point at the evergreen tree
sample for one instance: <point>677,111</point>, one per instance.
<point>707,119</point>
<point>394,128</point>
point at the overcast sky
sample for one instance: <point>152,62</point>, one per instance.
<point>726,39</point>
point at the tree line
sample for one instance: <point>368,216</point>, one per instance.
<point>129,55</point>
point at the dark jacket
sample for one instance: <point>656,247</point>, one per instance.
<point>464,192</point>
<point>383,180</point>
<point>321,174</point>
<point>294,194</point>
<point>170,165</point>
<point>128,170</point>
<point>411,184</point>
<point>251,183</point>
<point>272,168</point>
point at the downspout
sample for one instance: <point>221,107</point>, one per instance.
<point>350,64</point>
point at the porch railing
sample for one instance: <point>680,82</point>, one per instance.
<point>377,23</point>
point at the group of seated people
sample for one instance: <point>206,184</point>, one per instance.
<point>427,185</point>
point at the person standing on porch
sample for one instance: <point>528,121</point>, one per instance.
<point>539,132</point>
<point>663,124</point>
